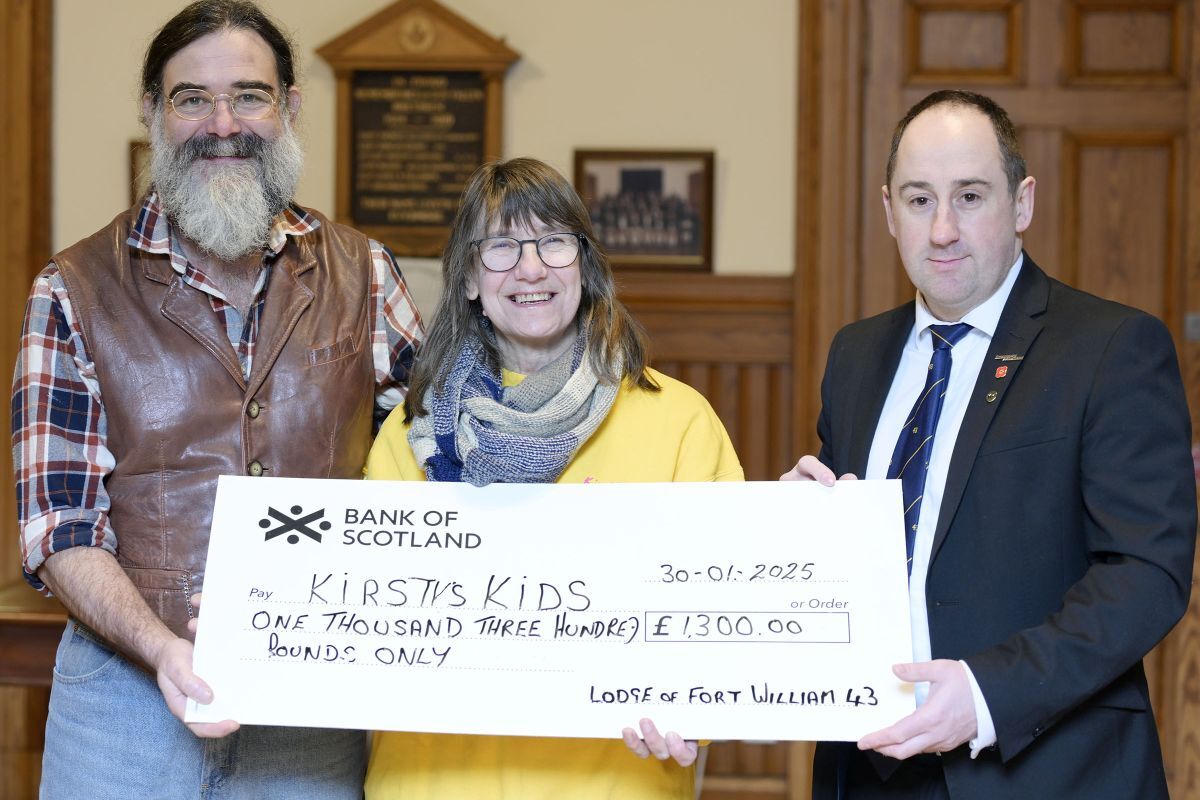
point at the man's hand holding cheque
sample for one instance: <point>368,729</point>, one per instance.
<point>947,719</point>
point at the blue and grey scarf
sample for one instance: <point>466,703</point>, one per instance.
<point>480,432</point>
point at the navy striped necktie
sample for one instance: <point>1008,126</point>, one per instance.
<point>910,460</point>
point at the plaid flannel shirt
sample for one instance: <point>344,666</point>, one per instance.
<point>60,456</point>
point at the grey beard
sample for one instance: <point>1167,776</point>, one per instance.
<point>228,212</point>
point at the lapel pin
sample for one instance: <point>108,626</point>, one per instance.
<point>991,396</point>
<point>1008,357</point>
<point>1001,371</point>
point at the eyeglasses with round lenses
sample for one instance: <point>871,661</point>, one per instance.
<point>501,253</point>
<point>197,104</point>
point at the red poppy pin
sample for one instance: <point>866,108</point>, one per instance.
<point>1001,371</point>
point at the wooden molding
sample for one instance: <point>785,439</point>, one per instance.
<point>26,651</point>
<point>1076,73</point>
<point>1075,143</point>
<point>717,320</point>
<point>417,35</point>
<point>704,291</point>
<point>1007,72</point>
<point>24,188</point>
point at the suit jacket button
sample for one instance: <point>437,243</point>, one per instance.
<point>255,469</point>
<point>252,409</point>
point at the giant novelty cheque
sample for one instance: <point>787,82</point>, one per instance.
<point>719,610</point>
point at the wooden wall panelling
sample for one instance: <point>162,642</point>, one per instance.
<point>24,191</point>
<point>1096,107</point>
<point>1121,237</point>
<point>883,283</point>
<point>1137,41</point>
<point>952,40</point>
<point>805,274</point>
<point>25,48</point>
<point>1043,147</point>
<point>731,339</point>
<point>828,190</point>
<point>1041,141</point>
<point>1123,196</point>
<point>1182,691</point>
<point>746,771</point>
<point>24,721</point>
<point>826,280</point>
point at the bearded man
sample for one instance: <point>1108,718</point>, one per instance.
<point>216,328</point>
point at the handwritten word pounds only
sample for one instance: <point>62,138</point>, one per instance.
<point>328,653</point>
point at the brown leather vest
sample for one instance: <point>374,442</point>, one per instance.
<point>179,412</point>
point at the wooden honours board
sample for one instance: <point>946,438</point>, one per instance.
<point>417,138</point>
<point>419,108</point>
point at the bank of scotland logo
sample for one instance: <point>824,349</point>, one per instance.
<point>298,522</point>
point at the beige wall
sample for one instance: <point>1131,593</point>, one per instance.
<point>713,74</point>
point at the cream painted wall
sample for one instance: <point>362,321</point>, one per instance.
<point>669,74</point>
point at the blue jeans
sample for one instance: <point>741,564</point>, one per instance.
<point>109,735</point>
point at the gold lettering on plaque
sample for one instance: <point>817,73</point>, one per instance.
<point>417,138</point>
<point>417,33</point>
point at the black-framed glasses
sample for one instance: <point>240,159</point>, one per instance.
<point>197,104</point>
<point>556,250</point>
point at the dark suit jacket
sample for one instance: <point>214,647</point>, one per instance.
<point>1063,552</point>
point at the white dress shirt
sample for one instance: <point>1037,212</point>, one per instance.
<point>909,381</point>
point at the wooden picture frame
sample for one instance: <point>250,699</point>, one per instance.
<point>650,209</point>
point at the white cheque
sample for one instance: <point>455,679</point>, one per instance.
<point>719,610</point>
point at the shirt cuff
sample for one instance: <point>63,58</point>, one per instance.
<point>985,732</point>
<point>61,530</point>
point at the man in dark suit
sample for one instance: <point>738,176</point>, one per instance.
<point>1053,513</point>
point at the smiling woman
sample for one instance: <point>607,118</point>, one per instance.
<point>529,290</point>
<point>511,206</point>
<point>534,372</point>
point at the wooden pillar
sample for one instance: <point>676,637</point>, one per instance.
<point>25,63</point>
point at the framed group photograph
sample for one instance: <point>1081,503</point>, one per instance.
<point>650,209</point>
